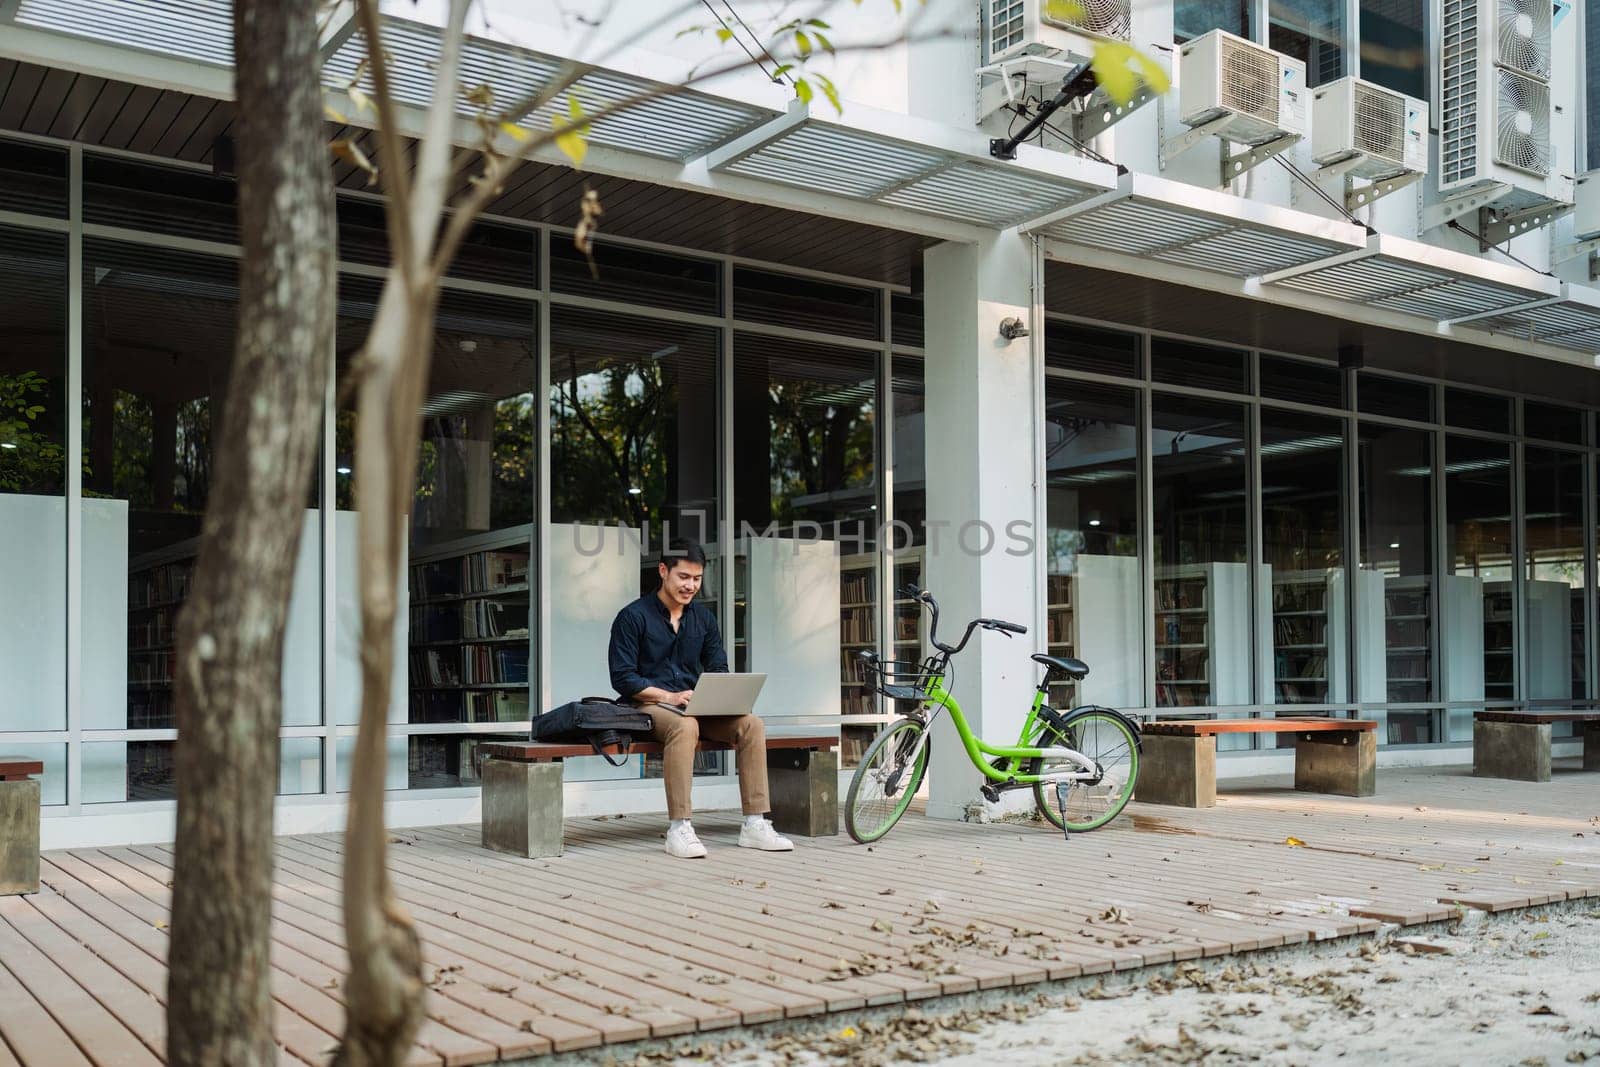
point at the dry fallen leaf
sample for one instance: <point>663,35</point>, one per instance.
<point>1294,842</point>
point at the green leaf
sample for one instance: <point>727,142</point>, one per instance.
<point>831,91</point>
<point>782,70</point>
<point>802,42</point>
<point>724,34</point>
<point>572,132</point>
<point>515,132</point>
<point>827,45</point>
<point>802,89</point>
<point>819,24</point>
<point>1119,68</point>
<point>1066,10</point>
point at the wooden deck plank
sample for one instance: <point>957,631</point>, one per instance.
<point>32,1034</point>
<point>104,1039</point>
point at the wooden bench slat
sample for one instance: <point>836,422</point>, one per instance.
<point>1202,727</point>
<point>545,752</point>
<point>1537,718</point>
<point>14,768</point>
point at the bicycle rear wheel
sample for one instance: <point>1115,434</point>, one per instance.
<point>885,781</point>
<point>1110,742</point>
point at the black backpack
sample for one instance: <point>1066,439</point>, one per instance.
<point>596,721</point>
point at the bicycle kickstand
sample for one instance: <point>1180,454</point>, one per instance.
<point>1061,805</point>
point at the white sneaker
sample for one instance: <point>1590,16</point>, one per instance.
<point>763,836</point>
<point>683,844</point>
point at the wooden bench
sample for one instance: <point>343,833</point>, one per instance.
<point>523,804</point>
<point>1178,759</point>
<point>19,825</point>
<point>1516,744</point>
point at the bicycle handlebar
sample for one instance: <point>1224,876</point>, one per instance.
<point>911,592</point>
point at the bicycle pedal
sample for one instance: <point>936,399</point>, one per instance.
<point>990,793</point>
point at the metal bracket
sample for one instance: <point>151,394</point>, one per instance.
<point>1437,215</point>
<point>1379,189</point>
<point>1564,253</point>
<point>1502,228</point>
<point>1236,165</point>
<point>1100,112</point>
<point>1173,147</point>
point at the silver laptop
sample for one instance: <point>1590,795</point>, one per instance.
<point>716,695</point>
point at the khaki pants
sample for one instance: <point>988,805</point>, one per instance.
<point>679,734</point>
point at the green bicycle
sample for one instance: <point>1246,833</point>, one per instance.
<point>1088,757</point>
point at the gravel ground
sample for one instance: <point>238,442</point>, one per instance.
<point>1519,989</point>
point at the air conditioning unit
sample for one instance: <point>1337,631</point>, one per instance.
<point>1016,28</point>
<point>1261,93</point>
<point>1381,132</point>
<point>1495,108</point>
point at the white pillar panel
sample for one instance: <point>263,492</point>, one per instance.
<point>346,708</point>
<point>33,583</point>
<point>302,637</point>
<point>104,676</point>
<point>982,406</point>
<point>793,623</point>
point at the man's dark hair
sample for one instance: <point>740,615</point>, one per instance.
<point>679,551</point>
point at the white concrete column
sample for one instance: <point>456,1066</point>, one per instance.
<point>982,407</point>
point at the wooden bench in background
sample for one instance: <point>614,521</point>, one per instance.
<point>19,825</point>
<point>1178,759</point>
<point>523,804</point>
<point>1516,744</point>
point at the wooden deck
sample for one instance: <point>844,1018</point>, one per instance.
<point>616,942</point>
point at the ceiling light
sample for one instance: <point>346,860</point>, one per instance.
<point>634,490</point>
<point>1394,544</point>
<point>8,444</point>
<point>1094,522</point>
<point>342,470</point>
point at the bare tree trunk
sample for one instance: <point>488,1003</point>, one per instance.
<point>230,635</point>
<point>384,990</point>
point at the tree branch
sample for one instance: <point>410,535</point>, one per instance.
<point>392,170</point>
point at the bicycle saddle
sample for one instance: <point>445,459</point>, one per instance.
<point>1072,668</point>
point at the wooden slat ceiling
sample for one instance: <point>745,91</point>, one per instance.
<point>1148,303</point>
<point>97,111</point>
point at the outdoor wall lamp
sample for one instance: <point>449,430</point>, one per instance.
<point>1013,328</point>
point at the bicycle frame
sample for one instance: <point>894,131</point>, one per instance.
<point>977,748</point>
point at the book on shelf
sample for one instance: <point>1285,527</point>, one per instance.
<point>164,584</point>
<point>857,625</point>
<point>855,588</point>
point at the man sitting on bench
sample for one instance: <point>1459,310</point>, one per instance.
<point>660,645</point>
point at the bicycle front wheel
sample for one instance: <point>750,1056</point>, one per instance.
<point>1110,742</point>
<point>886,780</point>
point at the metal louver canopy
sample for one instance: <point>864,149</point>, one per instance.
<point>1570,320</point>
<point>1413,278</point>
<point>900,161</point>
<point>1171,222</point>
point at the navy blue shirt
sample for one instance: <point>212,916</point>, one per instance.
<point>646,651</point>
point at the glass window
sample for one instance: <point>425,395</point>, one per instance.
<point>53,782</point>
<point>1073,347</point>
<point>465,640</point>
<point>806,304</point>
<point>1302,523</point>
<point>1477,605</point>
<point>634,464</point>
<point>636,276</point>
<point>33,471</point>
<point>1552,422</point>
<point>115,771</point>
<point>1311,31</point>
<point>1201,366</point>
<point>1394,51</point>
<point>1192,18</point>
<point>1398,398</point>
<point>1394,592</point>
<point>1477,411</point>
<point>907,539</point>
<point>905,320</point>
<point>491,252</point>
<point>299,766</point>
<point>33,179</point>
<point>1093,578</point>
<point>1200,468</point>
<point>1553,547</point>
<point>805,512</point>
<point>172,200</point>
<point>1302,382</point>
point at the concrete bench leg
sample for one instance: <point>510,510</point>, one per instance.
<point>1591,746</point>
<point>1181,771</point>
<point>522,808</point>
<point>19,837</point>
<point>805,791</point>
<point>1342,762</point>
<point>1516,750</point>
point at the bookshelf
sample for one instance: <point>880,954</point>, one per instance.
<point>1408,640</point>
<point>158,585</point>
<point>1499,642</point>
<point>470,636</point>
<point>858,621</point>
<point>1202,636</point>
<point>1061,633</point>
<point>1302,639</point>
